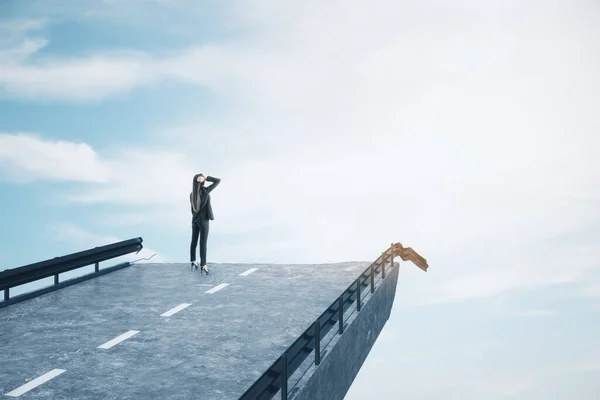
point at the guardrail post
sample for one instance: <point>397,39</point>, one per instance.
<point>317,342</point>
<point>6,294</point>
<point>56,279</point>
<point>284,377</point>
<point>372,278</point>
<point>358,285</point>
<point>97,267</point>
<point>341,314</point>
<point>383,265</point>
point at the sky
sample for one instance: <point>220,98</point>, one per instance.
<point>467,130</point>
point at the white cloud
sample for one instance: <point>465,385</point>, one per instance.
<point>585,366</point>
<point>23,50</point>
<point>17,28</point>
<point>535,313</point>
<point>592,290</point>
<point>142,177</point>
<point>88,78</point>
<point>27,158</point>
<point>16,45</point>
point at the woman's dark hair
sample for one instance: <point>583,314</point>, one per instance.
<point>196,193</point>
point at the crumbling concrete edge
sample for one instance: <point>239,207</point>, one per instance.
<point>346,353</point>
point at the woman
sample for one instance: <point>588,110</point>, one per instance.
<point>201,214</point>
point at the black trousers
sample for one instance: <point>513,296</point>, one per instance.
<point>199,228</point>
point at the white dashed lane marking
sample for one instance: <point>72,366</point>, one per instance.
<point>118,339</point>
<point>175,310</point>
<point>248,272</point>
<point>217,288</point>
<point>35,383</point>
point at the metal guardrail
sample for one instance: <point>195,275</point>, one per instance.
<point>276,377</point>
<point>30,273</point>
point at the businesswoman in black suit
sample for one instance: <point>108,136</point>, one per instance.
<point>201,214</point>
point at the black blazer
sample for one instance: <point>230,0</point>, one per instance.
<point>205,211</point>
